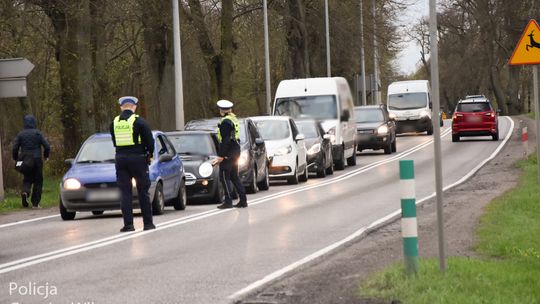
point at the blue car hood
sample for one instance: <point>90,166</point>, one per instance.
<point>92,173</point>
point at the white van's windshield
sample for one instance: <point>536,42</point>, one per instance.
<point>407,101</point>
<point>319,107</point>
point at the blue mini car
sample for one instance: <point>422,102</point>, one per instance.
<point>90,183</point>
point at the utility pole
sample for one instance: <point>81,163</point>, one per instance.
<point>267,60</point>
<point>362,54</point>
<point>375,58</point>
<point>178,86</point>
<point>327,21</point>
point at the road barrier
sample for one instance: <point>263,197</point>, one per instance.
<point>409,225</point>
<point>525,140</point>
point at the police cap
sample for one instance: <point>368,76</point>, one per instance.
<point>224,104</point>
<point>126,99</point>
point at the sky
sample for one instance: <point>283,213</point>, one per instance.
<point>409,57</point>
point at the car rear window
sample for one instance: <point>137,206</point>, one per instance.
<point>473,107</point>
<point>368,115</point>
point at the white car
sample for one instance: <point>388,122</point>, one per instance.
<point>285,148</point>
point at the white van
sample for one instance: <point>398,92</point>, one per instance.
<point>327,99</point>
<point>410,102</point>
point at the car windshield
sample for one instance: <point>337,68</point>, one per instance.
<point>473,107</point>
<point>308,128</point>
<point>407,101</point>
<point>97,150</point>
<point>212,125</point>
<point>193,144</point>
<point>273,129</point>
<point>319,107</point>
<point>368,115</point>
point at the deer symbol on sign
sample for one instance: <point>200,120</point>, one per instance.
<point>533,44</point>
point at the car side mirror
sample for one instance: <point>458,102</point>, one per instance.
<point>392,116</point>
<point>69,161</point>
<point>259,141</point>
<point>345,115</point>
<point>430,105</point>
<point>299,137</point>
<point>165,158</point>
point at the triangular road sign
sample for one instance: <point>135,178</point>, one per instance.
<point>528,49</point>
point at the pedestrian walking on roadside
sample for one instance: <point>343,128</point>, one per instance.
<point>228,155</point>
<point>27,147</point>
<point>134,144</point>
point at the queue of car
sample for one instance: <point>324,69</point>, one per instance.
<point>314,129</point>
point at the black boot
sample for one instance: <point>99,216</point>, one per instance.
<point>241,205</point>
<point>24,199</point>
<point>225,206</point>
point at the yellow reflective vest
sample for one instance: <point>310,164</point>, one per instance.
<point>236,124</point>
<point>123,131</point>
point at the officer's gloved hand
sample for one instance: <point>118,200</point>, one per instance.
<point>149,159</point>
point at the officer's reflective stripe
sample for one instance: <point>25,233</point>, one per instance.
<point>123,131</point>
<point>236,124</point>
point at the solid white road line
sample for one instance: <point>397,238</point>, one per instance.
<point>28,221</point>
<point>362,231</point>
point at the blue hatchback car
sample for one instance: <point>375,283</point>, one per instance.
<point>90,183</point>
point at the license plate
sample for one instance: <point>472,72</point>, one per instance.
<point>103,195</point>
<point>474,118</point>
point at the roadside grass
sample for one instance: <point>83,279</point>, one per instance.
<point>509,267</point>
<point>49,198</point>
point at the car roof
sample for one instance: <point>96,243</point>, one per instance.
<point>196,132</point>
<point>369,107</point>
<point>108,135</point>
<point>276,118</point>
<point>475,96</point>
<point>471,100</point>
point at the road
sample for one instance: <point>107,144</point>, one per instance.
<point>206,255</point>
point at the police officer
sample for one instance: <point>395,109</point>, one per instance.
<point>228,155</point>
<point>134,144</point>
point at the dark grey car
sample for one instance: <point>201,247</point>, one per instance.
<point>253,162</point>
<point>318,146</point>
<point>375,129</point>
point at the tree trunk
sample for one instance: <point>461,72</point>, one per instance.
<point>297,40</point>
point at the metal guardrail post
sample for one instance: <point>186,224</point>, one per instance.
<point>409,226</point>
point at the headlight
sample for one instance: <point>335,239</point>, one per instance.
<point>72,184</point>
<point>205,170</point>
<point>316,148</point>
<point>244,158</point>
<point>283,151</point>
<point>424,114</point>
<point>134,183</point>
<point>332,133</point>
<point>382,130</point>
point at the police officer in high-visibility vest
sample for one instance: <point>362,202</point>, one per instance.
<point>134,144</point>
<point>228,155</point>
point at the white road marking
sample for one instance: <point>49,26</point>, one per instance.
<point>29,221</point>
<point>362,231</point>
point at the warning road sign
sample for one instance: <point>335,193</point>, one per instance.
<point>528,48</point>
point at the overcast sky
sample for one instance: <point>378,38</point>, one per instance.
<point>410,55</point>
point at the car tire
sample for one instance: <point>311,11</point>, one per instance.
<point>97,212</point>
<point>293,180</point>
<point>219,196</point>
<point>180,201</point>
<point>388,148</point>
<point>430,131</point>
<point>64,214</point>
<point>158,203</point>
<point>305,175</point>
<point>322,170</point>
<point>455,138</point>
<point>252,186</point>
<point>330,169</point>
<point>394,145</point>
<point>495,136</point>
<point>351,161</point>
<point>340,163</point>
<point>265,183</point>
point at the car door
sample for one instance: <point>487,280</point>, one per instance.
<point>259,151</point>
<point>300,145</point>
<point>167,166</point>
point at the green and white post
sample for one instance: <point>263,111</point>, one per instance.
<point>409,227</point>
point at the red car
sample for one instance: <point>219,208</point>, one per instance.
<point>475,116</point>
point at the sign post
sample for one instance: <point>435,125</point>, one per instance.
<point>13,74</point>
<point>527,52</point>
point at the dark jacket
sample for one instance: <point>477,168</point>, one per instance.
<point>30,140</point>
<point>228,147</point>
<point>140,127</point>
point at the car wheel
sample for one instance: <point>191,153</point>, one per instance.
<point>495,136</point>
<point>64,214</point>
<point>322,170</point>
<point>97,212</point>
<point>252,187</point>
<point>265,183</point>
<point>219,196</point>
<point>158,203</point>
<point>455,138</point>
<point>293,180</point>
<point>340,163</point>
<point>180,201</point>
<point>304,177</point>
<point>388,148</point>
<point>351,161</point>
<point>394,145</point>
<point>330,169</point>
<point>430,131</point>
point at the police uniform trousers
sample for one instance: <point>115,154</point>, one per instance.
<point>228,172</point>
<point>136,167</point>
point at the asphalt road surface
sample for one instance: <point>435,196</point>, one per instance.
<point>206,255</point>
